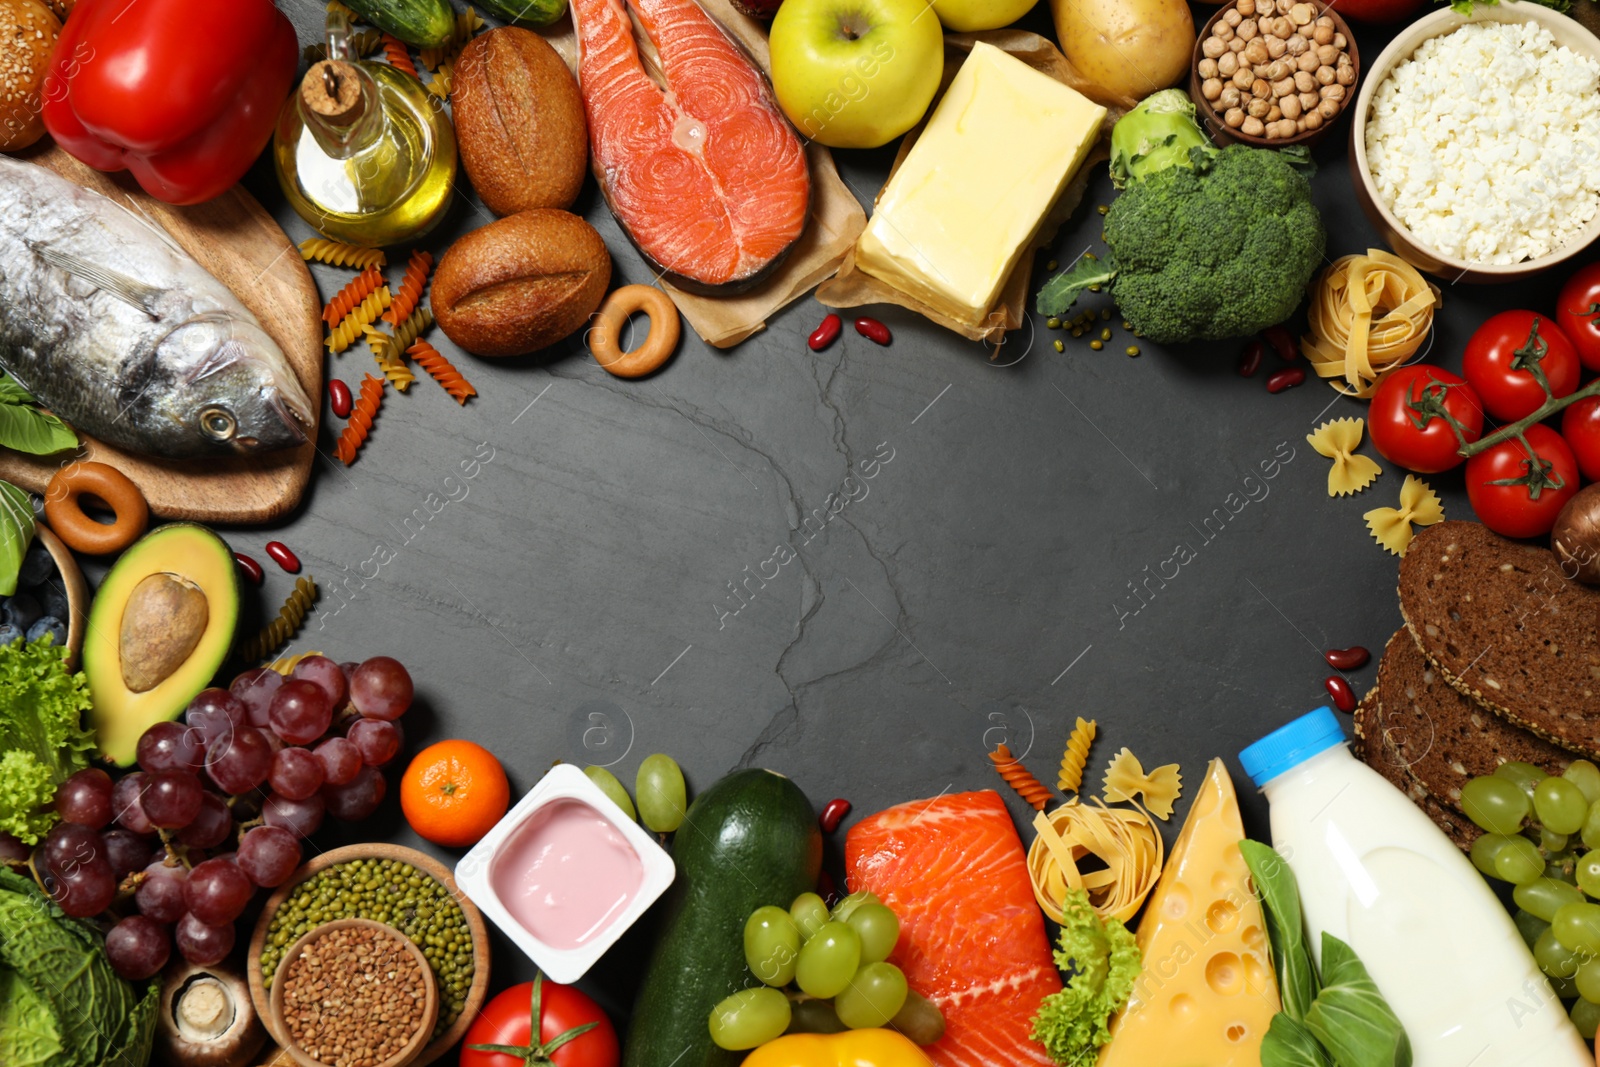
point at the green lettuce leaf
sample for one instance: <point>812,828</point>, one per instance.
<point>1101,960</point>
<point>1350,1017</point>
<point>42,738</point>
<point>1057,295</point>
<point>16,534</point>
<point>25,428</point>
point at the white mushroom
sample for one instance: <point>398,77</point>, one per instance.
<point>207,1019</point>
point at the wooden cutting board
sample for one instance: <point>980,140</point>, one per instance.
<point>235,239</point>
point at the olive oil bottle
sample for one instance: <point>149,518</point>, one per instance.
<point>363,152</point>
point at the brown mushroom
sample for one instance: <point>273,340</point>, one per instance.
<point>207,1019</point>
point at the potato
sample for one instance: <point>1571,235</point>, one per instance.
<point>1129,48</point>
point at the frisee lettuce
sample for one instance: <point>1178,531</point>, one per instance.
<point>42,738</point>
<point>1101,960</point>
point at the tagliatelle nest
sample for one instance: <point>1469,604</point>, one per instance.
<point>1125,840</point>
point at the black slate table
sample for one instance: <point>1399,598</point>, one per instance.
<point>999,562</point>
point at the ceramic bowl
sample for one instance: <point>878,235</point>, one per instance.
<point>477,994</point>
<point>430,1009</point>
<point>1566,32</point>
<point>77,590</point>
<point>1223,134</point>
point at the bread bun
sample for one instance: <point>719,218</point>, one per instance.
<point>28,32</point>
<point>519,122</point>
<point>521,283</point>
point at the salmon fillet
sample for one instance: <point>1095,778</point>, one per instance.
<point>972,939</point>
<point>706,176</point>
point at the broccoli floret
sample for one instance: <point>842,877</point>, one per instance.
<point>1205,244</point>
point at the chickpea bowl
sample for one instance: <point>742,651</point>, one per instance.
<point>1273,73</point>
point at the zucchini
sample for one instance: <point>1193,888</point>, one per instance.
<point>419,23</point>
<point>535,14</point>
<point>748,841</point>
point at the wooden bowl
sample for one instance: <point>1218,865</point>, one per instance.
<point>476,995</point>
<point>1566,32</point>
<point>430,1007</point>
<point>1224,135</point>
<point>78,596</point>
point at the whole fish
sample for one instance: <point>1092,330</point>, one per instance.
<point>117,330</point>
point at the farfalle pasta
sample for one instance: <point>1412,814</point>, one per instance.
<point>1126,779</point>
<point>1419,505</point>
<point>1338,440</point>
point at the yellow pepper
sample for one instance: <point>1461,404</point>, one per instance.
<point>853,1048</point>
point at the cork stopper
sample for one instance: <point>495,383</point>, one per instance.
<point>332,90</point>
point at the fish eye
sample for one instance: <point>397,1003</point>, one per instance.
<point>218,423</point>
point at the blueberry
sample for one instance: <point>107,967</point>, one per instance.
<point>37,565</point>
<point>9,634</point>
<point>21,611</point>
<point>52,601</point>
<point>48,624</point>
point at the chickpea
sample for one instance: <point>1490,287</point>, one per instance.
<point>1324,75</point>
<point>1280,27</point>
<point>1276,47</point>
<point>1290,106</point>
<point>1252,127</point>
<point>1302,14</point>
<point>1308,101</point>
<point>1243,78</point>
<point>1222,31</point>
<point>1226,64</point>
<point>1236,45</point>
<point>1322,35</point>
<point>1276,114</point>
<point>1246,8</point>
<point>1272,131</point>
<point>1333,92</point>
<point>1340,42</point>
<point>1231,97</point>
<point>1345,75</point>
<point>1283,88</point>
<point>1324,21</point>
<point>1283,6</point>
<point>1312,120</point>
<point>1328,109</point>
<point>1328,54</point>
<point>1257,108</point>
<point>1275,71</point>
<point>1211,48</point>
<point>1296,45</point>
<point>1308,62</point>
<point>1248,30</point>
<point>1207,68</point>
<point>1303,82</point>
<point>1234,118</point>
<point>1256,51</point>
<point>1211,88</point>
<point>1260,89</point>
<point>1233,18</point>
<point>1289,127</point>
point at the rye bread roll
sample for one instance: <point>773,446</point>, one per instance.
<point>520,284</point>
<point>28,32</point>
<point>519,122</point>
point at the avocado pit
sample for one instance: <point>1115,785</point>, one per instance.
<point>163,621</point>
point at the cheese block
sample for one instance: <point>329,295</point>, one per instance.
<point>1206,993</point>
<point>970,196</point>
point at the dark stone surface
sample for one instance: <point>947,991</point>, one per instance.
<point>979,586</point>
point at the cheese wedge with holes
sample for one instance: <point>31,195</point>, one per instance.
<point>1206,993</point>
<point>970,196</point>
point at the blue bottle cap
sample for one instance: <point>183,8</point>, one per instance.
<point>1291,745</point>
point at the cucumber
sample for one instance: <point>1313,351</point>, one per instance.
<point>535,14</point>
<point>419,23</point>
<point>748,841</point>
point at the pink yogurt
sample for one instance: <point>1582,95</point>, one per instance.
<point>566,873</point>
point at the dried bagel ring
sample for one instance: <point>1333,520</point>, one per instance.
<point>63,508</point>
<point>657,346</point>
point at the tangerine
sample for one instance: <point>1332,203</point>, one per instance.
<point>454,792</point>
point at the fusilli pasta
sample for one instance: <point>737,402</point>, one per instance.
<point>350,297</point>
<point>411,287</point>
<point>361,316</point>
<point>444,372</point>
<point>290,617</point>
<point>339,254</point>
<point>356,430</point>
<point>389,359</point>
<point>1076,757</point>
<point>1018,777</point>
<point>399,57</point>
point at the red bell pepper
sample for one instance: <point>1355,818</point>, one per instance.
<point>183,94</point>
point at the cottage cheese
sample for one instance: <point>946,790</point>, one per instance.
<point>1486,142</point>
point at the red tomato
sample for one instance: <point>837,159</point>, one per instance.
<point>508,1020</point>
<point>1522,509</point>
<point>1578,311</point>
<point>1580,425</point>
<point>1505,357</point>
<point>1417,394</point>
<point>1380,11</point>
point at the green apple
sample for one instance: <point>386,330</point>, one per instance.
<point>856,73</point>
<point>968,16</point>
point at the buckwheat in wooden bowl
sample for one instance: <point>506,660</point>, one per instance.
<point>1273,73</point>
<point>1482,197</point>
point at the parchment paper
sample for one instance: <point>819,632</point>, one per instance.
<point>836,218</point>
<point>851,287</point>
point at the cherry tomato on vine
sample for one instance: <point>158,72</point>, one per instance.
<point>573,1030</point>
<point>1519,495</point>
<point>1510,354</point>
<point>1578,312</point>
<point>1406,422</point>
<point>1580,425</point>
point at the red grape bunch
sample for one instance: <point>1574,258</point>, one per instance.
<point>219,805</point>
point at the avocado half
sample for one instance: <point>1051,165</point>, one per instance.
<point>160,628</point>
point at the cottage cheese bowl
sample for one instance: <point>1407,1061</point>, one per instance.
<point>1475,142</point>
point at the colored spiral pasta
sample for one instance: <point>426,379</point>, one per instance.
<point>359,425</point>
<point>350,328</point>
<point>275,634</point>
<point>350,297</point>
<point>443,371</point>
<point>411,287</point>
<point>399,57</point>
<point>1018,777</point>
<point>1076,757</point>
<point>389,359</point>
<point>339,254</point>
<point>443,80</point>
<point>406,333</point>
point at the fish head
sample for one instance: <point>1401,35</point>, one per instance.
<point>235,390</point>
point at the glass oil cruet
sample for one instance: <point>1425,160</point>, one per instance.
<point>363,152</point>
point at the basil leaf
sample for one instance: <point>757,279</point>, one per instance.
<point>1351,1018</point>
<point>1280,899</point>
<point>1289,1044</point>
<point>27,429</point>
<point>16,533</point>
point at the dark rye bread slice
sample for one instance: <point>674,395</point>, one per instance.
<point>1506,627</point>
<point>1372,749</point>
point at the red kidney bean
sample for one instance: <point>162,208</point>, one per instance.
<point>1287,378</point>
<point>1282,342</point>
<point>339,398</point>
<point>1250,357</point>
<point>283,557</point>
<point>826,334</point>
<point>251,568</point>
<point>1347,659</point>
<point>1344,698</point>
<point>826,889</point>
<point>874,331</point>
<point>833,814</point>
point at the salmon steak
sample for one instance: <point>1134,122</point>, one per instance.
<point>704,173</point>
<point>972,939</point>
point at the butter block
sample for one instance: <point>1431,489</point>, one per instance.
<point>970,196</point>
